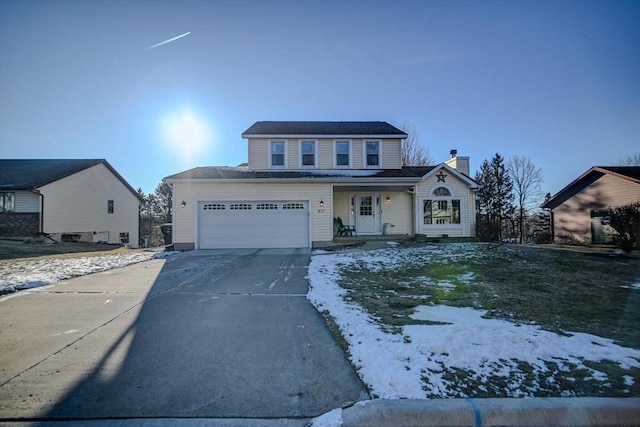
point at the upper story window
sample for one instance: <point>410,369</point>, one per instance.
<point>372,153</point>
<point>307,153</point>
<point>278,154</point>
<point>343,153</point>
<point>110,206</point>
<point>7,202</point>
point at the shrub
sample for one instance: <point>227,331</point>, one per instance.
<point>625,220</point>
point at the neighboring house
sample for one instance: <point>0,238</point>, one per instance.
<point>579,212</point>
<point>301,175</point>
<point>77,199</point>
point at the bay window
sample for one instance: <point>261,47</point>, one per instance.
<point>441,208</point>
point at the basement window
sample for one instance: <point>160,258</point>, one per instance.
<point>124,237</point>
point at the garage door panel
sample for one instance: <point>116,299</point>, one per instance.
<point>246,224</point>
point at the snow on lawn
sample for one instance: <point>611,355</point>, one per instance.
<point>419,362</point>
<point>31,274</point>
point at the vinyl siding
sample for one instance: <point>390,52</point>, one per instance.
<point>258,154</point>
<point>391,154</point>
<point>292,154</point>
<point>78,204</point>
<point>185,218</point>
<point>341,206</point>
<point>27,202</point>
<point>356,154</point>
<point>325,154</point>
<point>459,190</point>
<point>399,212</point>
<point>572,219</point>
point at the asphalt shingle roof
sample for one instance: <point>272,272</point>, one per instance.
<point>628,171</point>
<point>29,174</point>
<point>227,173</point>
<point>323,128</point>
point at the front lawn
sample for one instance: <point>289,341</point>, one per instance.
<point>465,320</point>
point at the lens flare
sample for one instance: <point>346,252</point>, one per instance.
<point>186,135</point>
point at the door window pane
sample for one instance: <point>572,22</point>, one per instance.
<point>366,205</point>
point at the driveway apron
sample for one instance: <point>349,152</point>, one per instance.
<point>213,334</point>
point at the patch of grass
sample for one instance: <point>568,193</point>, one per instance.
<point>11,250</point>
<point>558,290</point>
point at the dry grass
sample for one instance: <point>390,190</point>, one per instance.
<point>14,250</point>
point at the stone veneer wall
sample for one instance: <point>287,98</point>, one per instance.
<point>14,224</point>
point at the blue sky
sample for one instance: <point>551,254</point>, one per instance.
<point>556,81</point>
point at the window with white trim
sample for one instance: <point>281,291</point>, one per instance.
<point>441,208</point>
<point>372,153</point>
<point>343,153</point>
<point>278,151</point>
<point>7,202</point>
<point>307,153</point>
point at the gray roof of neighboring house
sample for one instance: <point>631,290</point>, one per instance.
<point>589,177</point>
<point>29,174</point>
<point>229,173</point>
<point>628,171</point>
<point>273,128</point>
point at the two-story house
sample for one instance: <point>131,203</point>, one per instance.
<point>302,175</point>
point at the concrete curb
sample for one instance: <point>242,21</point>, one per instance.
<point>587,411</point>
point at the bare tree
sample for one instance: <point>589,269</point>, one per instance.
<point>631,160</point>
<point>414,153</point>
<point>527,181</point>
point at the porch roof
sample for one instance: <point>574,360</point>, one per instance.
<point>213,173</point>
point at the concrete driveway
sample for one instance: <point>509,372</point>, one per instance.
<point>208,334</point>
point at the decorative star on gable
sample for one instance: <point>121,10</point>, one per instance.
<point>441,176</point>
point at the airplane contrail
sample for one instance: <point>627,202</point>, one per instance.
<point>168,41</point>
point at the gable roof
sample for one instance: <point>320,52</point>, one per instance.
<point>225,173</point>
<point>30,174</point>
<point>629,173</point>
<point>470,181</point>
<point>323,129</point>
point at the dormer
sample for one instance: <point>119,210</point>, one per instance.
<point>324,145</point>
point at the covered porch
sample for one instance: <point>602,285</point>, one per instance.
<point>374,211</point>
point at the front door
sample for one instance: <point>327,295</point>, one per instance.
<point>366,214</point>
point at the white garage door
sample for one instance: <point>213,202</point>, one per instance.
<point>249,224</point>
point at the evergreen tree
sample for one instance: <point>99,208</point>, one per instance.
<point>486,187</point>
<point>495,199</point>
<point>164,201</point>
<point>503,201</point>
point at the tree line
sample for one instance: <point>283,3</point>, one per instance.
<point>155,209</point>
<point>508,199</point>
